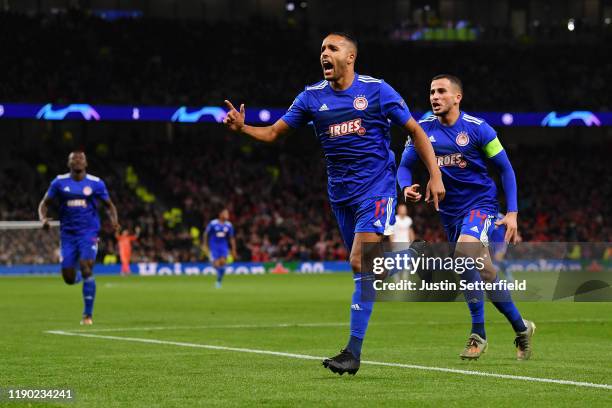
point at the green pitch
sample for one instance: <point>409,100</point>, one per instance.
<point>173,321</point>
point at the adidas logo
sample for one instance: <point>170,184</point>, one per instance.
<point>356,307</point>
<point>66,188</point>
<point>377,223</point>
<point>323,108</point>
<point>475,229</point>
<point>432,139</point>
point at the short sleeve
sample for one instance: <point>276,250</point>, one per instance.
<point>392,105</point>
<point>489,143</point>
<point>54,189</point>
<point>298,115</point>
<point>231,230</point>
<point>207,230</point>
<point>486,134</point>
<point>102,192</point>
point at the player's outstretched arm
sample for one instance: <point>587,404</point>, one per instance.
<point>235,122</point>
<point>43,208</point>
<point>435,187</point>
<point>112,214</point>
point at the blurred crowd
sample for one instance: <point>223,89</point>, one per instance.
<point>276,195</point>
<point>74,57</point>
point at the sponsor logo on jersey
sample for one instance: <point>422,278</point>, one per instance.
<point>77,203</point>
<point>323,108</point>
<point>346,128</point>
<point>455,159</point>
<point>67,189</point>
<point>87,190</point>
<point>475,229</point>
<point>432,139</point>
<point>360,103</point>
<point>462,139</point>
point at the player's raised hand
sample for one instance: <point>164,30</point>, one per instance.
<point>435,191</point>
<point>509,220</point>
<point>234,119</point>
<point>411,193</point>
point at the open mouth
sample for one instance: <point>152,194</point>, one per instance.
<point>435,105</point>
<point>328,67</point>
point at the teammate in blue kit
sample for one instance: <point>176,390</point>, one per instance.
<point>78,193</point>
<point>218,237</point>
<point>352,116</point>
<point>463,145</point>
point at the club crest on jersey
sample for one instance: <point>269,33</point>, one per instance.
<point>346,128</point>
<point>360,103</point>
<point>455,160</point>
<point>462,139</point>
<point>87,190</point>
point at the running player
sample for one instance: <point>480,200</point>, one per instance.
<point>218,237</point>
<point>78,194</point>
<point>352,115</point>
<point>463,144</point>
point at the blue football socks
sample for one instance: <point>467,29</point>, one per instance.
<point>361,310</point>
<point>475,302</point>
<point>220,273</point>
<point>502,300</point>
<point>89,295</point>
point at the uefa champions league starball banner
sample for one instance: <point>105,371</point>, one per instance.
<point>263,115</point>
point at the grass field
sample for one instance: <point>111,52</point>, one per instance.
<point>155,338</point>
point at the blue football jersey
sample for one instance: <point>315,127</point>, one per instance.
<point>78,202</point>
<point>461,157</point>
<point>353,127</point>
<point>219,233</point>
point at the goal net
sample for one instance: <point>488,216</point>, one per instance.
<point>26,243</point>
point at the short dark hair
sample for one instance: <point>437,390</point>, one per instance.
<point>452,78</point>
<point>346,36</point>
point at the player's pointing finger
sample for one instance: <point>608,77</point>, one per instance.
<point>435,201</point>
<point>242,109</point>
<point>229,105</point>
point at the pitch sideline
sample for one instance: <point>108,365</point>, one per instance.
<point>307,357</point>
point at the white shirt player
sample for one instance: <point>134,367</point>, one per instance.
<point>403,224</point>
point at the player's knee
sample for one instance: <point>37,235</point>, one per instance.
<point>86,270</point>
<point>69,276</point>
<point>488,275</point>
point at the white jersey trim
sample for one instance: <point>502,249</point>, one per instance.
<point>428,119</point>
<point>318,86</point>
<point>368,79</point>
<point>472,119</point>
